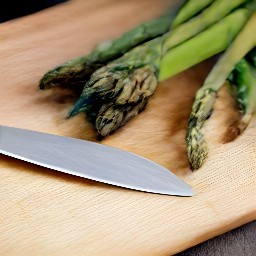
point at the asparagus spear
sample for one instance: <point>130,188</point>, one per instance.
<point>76,72</point>
<point>191,8</point>
<point>205,97</point>
<point>109,82</point>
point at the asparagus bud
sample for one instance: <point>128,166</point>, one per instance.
<point>108,119</point>
<point>73,74</point>
<point>136,90</point>
<point>133,98</point>
<point>140,84</point>
<point>103,85</point>
<point>107,82</point>
<point>202,108</point>
<point>129,86</point>
<point>111,117</point>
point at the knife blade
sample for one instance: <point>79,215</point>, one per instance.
<point>91,160</point>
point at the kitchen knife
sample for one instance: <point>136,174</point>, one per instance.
<point>90,160</point>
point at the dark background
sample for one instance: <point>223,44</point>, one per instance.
<point>238,242</point>
<point>16,8</point>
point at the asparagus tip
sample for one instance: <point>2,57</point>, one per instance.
<point>80,106</point>
<point>196,145</point>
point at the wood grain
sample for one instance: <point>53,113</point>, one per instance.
<point>47,213</point>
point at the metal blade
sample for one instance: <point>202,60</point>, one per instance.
<point>90,160</point>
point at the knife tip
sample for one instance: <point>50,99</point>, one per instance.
<point>185,193</point>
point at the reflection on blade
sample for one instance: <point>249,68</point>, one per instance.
<point>91,160</point>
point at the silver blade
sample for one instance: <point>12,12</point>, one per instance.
<point>90,160</point>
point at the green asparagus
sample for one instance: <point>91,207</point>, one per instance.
<point>108,83</point>
<point>205,97</point>
<point>117,79</point>
<point>74,73</point>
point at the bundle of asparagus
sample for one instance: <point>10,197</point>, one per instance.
<point>74,73</point>
<point>117,79</point>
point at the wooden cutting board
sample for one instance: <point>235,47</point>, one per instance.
<point>44,212</point>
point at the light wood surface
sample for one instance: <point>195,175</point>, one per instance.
<point>44,212</point>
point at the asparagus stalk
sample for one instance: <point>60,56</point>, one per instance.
<point>209,16</point>
<point>205,97</point>
<point>108,83</point>
<point>202,47</point>
<point>191,8</point>
<point>74,73</point>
